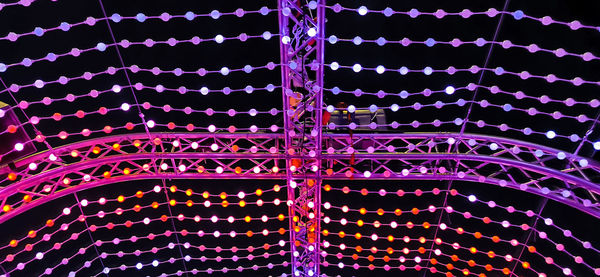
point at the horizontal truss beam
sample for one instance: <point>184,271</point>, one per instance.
<point>257,156</point>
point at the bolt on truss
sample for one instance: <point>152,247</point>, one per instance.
<point>302,56</point>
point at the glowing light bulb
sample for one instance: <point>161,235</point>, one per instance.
<point>176,143</point>
<point>362,10</point>
<point>357,68</point>
<point>450,90</point>
<point>125,107</point>
<point>150,124</point>
<point>19,146</point>
<point>225,71</point>
<point>428,70</point>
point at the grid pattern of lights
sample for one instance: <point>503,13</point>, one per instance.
<point>399,237</point>
<point>143,213</point>
<point>360,225</point>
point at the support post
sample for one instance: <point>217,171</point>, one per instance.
<point>302,28</point>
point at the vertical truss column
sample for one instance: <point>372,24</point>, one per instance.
<point>302,28</point>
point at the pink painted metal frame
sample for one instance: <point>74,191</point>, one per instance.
<point>313,154</point>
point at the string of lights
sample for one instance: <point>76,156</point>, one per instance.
<point>479,42</point>
<point>465,13</point>
<point>299,138</point>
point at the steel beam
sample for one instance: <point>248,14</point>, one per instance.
<point>302,30</point>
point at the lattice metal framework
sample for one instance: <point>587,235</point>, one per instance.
<point>305,153</point>
<point>302,56</point>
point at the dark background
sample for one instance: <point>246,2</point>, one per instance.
<point>258,52</point>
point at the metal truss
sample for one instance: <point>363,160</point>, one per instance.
<point>524,166</point>
<point>302,56</point>
<point>51,174</point>
<point>303,156</point>
<point>532,168</point>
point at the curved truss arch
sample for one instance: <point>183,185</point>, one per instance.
<point>405,156</point>
<point>242,121</point>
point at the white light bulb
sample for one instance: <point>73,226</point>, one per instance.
<point>472,198</point>
<point>334,66</point>
<point>150,124</point>
<point>362,10</point>
<point>225,71</point>
<point>19,146</point>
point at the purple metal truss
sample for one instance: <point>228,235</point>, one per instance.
<point>302,57</point>
<point>303,154</point>
<point>377,156</point>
